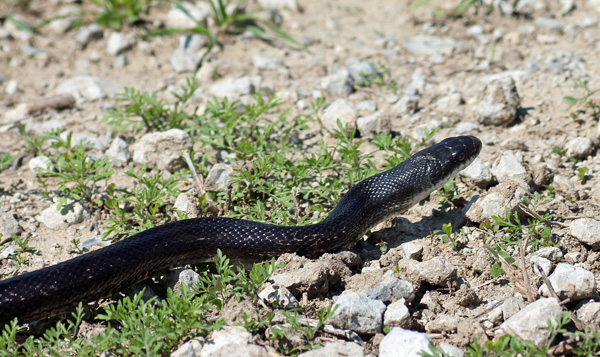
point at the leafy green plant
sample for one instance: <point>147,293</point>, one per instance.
<point>78,174</point>
<point>20,256</point>
<point>384,78</point>
<point>227,282</point>
<point>6,160</point>
<point>309,332</point>
<point>139,209</point>
<point>450,237</point>
<point>115,13</point>
<point>582,174</point>
<point>580,84</point>
<point>448,194</point>
<point>155,114</point>
<point>228,19</point>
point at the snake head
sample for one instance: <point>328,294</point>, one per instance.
<point>447,158</point>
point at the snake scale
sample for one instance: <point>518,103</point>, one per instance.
<point>58,288</point>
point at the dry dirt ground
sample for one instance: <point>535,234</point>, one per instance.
<point>543,57</point>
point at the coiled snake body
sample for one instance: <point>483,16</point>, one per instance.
<point>98,274</point>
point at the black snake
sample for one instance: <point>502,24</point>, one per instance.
<point>98,274</point>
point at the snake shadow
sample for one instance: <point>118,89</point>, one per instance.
<point>405,230</point>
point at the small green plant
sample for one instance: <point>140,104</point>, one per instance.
<point>582,174</point>
<point>309,332</point>
<point>228,19</point>
<point>583,99</point>
<point>582,343</point>
<point>155,114</point>
<point>77,172</point>
<point>116,13</point>
<point>560,151</point>
<point>141,208</point>
<point>20,257</point>
<point>6,160</point>
<point>217,288</point>
<point>385,79</point>
<point>465,5</point>
<point>448,194</point>
<point>450,237</point>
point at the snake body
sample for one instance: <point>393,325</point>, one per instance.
<point>58,288</point>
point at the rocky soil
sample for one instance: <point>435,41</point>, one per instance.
<point>499,72</point>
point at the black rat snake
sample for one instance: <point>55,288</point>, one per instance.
<point>98,274</point>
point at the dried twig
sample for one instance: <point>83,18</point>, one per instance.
<point>547,281</point>
<point>198,181</point>
<point>296,204</point>
<point>522,252</point>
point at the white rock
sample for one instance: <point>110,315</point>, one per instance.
<point>358,313</point>
<point>338,348</point>
<point>397,314</point>
<point>373,124</point>
<point>499,102</point>
<point>478,172</point>
<point>430,45</point>
<point>86,34</point>
<point>451,350</point>
<point>342,110</point>
<point>87,87</point>
<point>40,164</point>
<point>508,165</point>
<point>589,313</point>
<point>436,271</point>
<point>118,152</point>
<point>587,231</point>
<point>162,150</point>
<point>404,343</point>
<point>412,250</point>
<point>279,4</point>
<point>442,323</point>
<point>552,253</point>
<point>178,19</point>
<point>408,104</point>
<point>71,213</point>
<point>571,282</point>
<point>12,87</point>
<point>83,139</point>
<point>218,178</point>
<point>564,185</point>
<point>118,43</point>
<point>531,322</point>
<point>338,84</point>
<point>367,105</point>
<point>505,197</point>
<point>543,263</point>
<point>278,296</point>
<point>449,104</point>
<point>466,127</point>
<point>184,60</point>
<point>391,289</point>
<point>512,305</point>
<point>187,203</point>
<point>362,71</point>
<point>579,147</point>
<point>231,341</point>
<point>267,63</point>
<point>7,252</point>
<point>235,87</point>
<point>9,225</point>
<point>191,348</point>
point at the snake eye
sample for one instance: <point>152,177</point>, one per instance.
<point>461,156</point>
